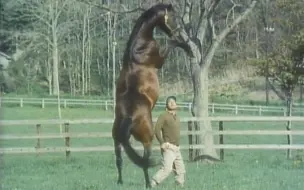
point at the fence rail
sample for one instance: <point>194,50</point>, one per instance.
<point>107,104</point>
<point>184,119</point>
<point>67,135</point>
<point>23,150</point>
<point>108,134</point>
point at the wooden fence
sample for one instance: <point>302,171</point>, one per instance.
<point>108,104</point>
<point>67,135</point>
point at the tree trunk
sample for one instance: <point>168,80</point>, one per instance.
<point>200,63</point>
<point>301,93</point>
<point>83,57</point>
<point>288,125</point>
<point>55,67</point>
<point>49,75</point>
<point>207,136</point>
<point>50,85</point>
<point>108,53</point>
<point>200,109</point>
<point>197,101</point>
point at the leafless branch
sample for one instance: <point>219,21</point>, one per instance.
<point>226,31</point>
<point>207,10</point>
<point>241,17</point>
<point>202,12</point>
<point>106,8</point>
<point>212,8</point>
<point>231,10</point>
<point>277,92</point>
<point>214,36</point>
<point>35,35</point>
<point>186,18</point>
<point>39,17</point>
<point>60,10</point>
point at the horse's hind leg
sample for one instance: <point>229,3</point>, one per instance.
<point>118,161</point>
<point>146,156</point>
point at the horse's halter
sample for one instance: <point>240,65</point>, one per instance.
<point>175,30</point>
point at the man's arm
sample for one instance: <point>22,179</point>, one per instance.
<point>158,127</point>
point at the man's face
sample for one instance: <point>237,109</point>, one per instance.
<point>172,104</point>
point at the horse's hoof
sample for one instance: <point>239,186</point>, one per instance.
<point>119,182</point>
<point>148,186</point>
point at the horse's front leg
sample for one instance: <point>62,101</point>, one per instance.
<point>162,56</point>
<point>171,44</point>
<point>164,53</point>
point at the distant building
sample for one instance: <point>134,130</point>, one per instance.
<point>4,60</point>
<point>6,82</point>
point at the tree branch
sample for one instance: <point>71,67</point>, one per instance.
<point>207,8</point>
<point>212,8</point>
<point>106,8</point>
<point>186,17</point>
<point>232,9</point>
<point>61,9</point>
<point>201,28</point>
<point>46,22</point>
<point>239,19</point>
<point>225,32</point>
<point>276,91</point>
<point>193,47</point>
<point>200,20</point>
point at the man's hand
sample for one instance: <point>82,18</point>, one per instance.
<point>165,146</point>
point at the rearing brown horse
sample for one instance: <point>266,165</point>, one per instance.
<point>138,87</point>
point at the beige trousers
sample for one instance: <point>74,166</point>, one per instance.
<point>171,161</point>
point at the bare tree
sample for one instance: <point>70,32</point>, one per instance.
<point>204,37</point>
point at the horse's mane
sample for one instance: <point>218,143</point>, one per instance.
<point>146,16</point>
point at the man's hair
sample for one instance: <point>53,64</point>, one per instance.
<point>169,98</point>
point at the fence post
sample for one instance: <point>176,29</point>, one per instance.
<point>221,139</point>
<point>289,138</point>
<point>197,138</point>
<point>42,103</point>
<point>190,126</point>
<point>21,102</point>
<point>212,108</point>
<point>236,109</point>
<point>38,145</point>
<point>260,110</point>
<point>106,103</point>
<point>189,107</point>
<point>64,103</point>
<point>67,140</point>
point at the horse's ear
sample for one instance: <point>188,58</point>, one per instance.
<point>170,6</point>
<point>166,16</point>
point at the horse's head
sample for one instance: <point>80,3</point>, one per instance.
<point>166,19</point>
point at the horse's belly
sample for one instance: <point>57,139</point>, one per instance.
<point>150,86</point>
<point>141,89</point>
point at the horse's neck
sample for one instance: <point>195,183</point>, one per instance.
<point>144,35</point>
<point>146,30</point>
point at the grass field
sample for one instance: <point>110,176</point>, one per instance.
<point>241,169</point>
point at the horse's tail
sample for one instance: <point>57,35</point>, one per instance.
<point>125,133</point>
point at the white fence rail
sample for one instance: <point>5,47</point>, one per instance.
<point>184,119</point>
<point>107,104</point>
<point>67,135</point>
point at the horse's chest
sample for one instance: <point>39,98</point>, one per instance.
<point>149,83</point>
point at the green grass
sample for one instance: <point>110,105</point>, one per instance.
<point>241,169</point>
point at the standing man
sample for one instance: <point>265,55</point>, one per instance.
<point>167,132</point>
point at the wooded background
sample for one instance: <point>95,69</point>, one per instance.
<point>76,47</point>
